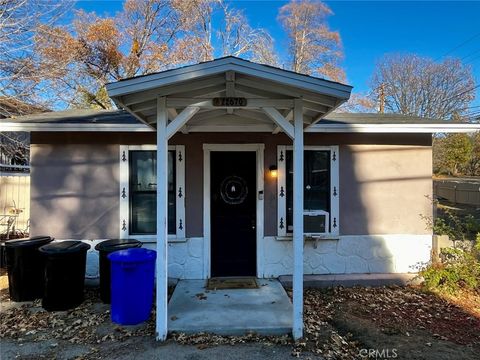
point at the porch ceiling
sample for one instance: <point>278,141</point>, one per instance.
<point>193,88</point>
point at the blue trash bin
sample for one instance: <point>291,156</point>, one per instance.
<point>132,281</point>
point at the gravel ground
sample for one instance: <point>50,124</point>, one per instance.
<point>142,348</point>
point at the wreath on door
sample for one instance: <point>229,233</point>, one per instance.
<point>233,190</point>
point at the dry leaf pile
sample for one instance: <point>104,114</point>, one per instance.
<point>400,309</point>
<point>30,322</point>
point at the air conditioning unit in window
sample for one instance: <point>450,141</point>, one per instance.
<point>315,222</point>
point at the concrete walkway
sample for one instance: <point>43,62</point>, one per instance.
<point>266,310</point>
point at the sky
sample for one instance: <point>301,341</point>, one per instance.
<point>369,29</point>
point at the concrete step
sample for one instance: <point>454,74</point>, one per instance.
<point>266,310</point>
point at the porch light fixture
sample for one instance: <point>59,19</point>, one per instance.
<point>273,171</point>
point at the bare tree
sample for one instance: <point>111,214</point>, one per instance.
<point>313,47</point>
<point>414,85</point>
<point>358,103</point>
<point>238,38</point>
<point>19,20</point>
<point>235,35</point>
<point>77,62</point>
<point>196,22</point>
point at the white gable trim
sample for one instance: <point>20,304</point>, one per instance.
<point>210,68</point>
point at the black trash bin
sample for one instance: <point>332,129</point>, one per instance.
<point>104,248</point>
<point>25,267</point>
<point>65,264</point>
<point>3,263</point>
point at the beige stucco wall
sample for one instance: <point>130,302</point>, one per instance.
<point>385,189</point>
<point>74,190</point>
<point>384,181</point>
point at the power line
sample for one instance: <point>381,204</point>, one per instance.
<point>458,46</point>
<point>472,53</point>
<point>460,94</point>
<point>472,60</point>
<point>473,113</point>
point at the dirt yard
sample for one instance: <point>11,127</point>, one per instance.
<point>393,322</point>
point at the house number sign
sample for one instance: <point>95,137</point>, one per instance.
<point>229,101</point>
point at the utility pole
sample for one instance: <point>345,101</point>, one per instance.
<point>382,98</point>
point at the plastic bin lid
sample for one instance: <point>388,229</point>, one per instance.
<point>133,255</point>
<point>32,241</point>
<point>117,244</point>
<point>64,247</point>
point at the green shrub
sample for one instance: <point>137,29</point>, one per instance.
<point>455,226</point>
<point>458,270</point>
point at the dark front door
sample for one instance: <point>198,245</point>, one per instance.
<point>233,213</point>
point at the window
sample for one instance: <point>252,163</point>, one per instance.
<point>138,198</point>
<point>143,192</point>
<point>320,190</point>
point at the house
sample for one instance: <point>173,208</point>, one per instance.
<point>14,146</point>
<point>259,176</point>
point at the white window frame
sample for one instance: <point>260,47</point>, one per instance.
<point>124,224</point>
<point>334,216</point>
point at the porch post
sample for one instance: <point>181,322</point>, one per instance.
<point>297,330</point>
<point>162,237</point>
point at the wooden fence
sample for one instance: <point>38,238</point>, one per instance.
<point>458,191</point>
<point>14,200</point>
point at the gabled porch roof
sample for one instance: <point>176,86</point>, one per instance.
<point>190,90</point>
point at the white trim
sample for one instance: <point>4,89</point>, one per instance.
<point>334,191</point>
<point>317,128</point>
<point>189,73</point>
<point>393,128</point>
<point>207,149</point>
<point>298,208</point>
<point>281,191</point>
<point>206,214</point>
<point>280,121</point>
<point>144,147</point>
<point>124,196</point>
<point>162,223</point>
<point>180,190</point>
<point>124,220</point>
<point>138,98</point>
<point>180,120</point>
<point>334,188</point>
<point>227,127</point>
<point>52,127</point>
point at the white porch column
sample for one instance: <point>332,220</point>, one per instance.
<point>162,235</point>
<point>297,330</point>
